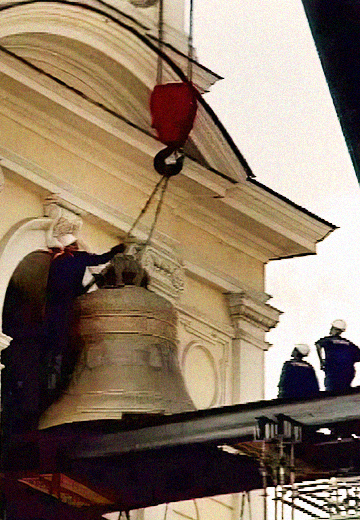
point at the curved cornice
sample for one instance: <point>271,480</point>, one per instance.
<point>128,46</point>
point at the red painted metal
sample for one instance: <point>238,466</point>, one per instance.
<point>173,108</point>
<point>65,489</point>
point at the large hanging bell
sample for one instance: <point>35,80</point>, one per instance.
<point>129,356</point>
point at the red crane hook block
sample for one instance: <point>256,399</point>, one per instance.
<point>173,109</point>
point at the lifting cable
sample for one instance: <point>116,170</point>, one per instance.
<point>165,169</point>
<point>164,181</point>
<point>244,495</point>
<point>190,41</point>
<point>159,76</point>
<point>161,42</point>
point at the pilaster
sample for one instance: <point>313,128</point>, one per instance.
<point>252,317</point>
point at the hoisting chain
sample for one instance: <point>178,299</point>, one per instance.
<point>158,209</point>
<point>147,204</point>
<point>164,182</point>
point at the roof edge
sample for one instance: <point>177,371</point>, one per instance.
<point>332,227</point>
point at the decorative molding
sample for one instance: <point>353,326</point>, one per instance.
<point>247,308</point>
<point>215,366</point>
<point>252,317</point>
<point>195,333</point>
<point>167,276</point>
<point>63,221</point>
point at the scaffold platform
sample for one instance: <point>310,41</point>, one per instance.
<point>94,467</point>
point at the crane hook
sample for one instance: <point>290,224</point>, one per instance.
<point>168,169</point>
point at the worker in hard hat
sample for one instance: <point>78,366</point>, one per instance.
<point>337,358</point>
<point>65,283</point>
<point>298,379</point>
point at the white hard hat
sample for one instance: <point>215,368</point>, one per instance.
<point>339,324</point>
<point>303,349</point>
<point>66,240</point>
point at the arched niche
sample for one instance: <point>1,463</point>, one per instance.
<point>22,239</point>
<point>23,394</point>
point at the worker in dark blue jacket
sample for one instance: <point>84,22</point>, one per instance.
<point>65,283</point>
<point>298,379</point>
<point>337,358</point>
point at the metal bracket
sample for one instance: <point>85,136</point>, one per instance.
<point>282,428</point>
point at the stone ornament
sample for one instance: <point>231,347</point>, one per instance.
<point>165,271</point>
<point>64,222</point>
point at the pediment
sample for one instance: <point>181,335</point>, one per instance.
<point>113,67</point>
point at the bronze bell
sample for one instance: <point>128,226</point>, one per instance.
<point>129,359</point>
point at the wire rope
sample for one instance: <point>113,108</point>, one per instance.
<point>146,206</point>
<point>157,211</point>
<point>166,511</point>
<point>161,42</point>
<point>190,41</point>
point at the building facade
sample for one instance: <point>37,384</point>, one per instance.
<point>76,155</point>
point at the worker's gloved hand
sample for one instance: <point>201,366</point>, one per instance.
<point>99,279</point>
<point>120,248</point>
